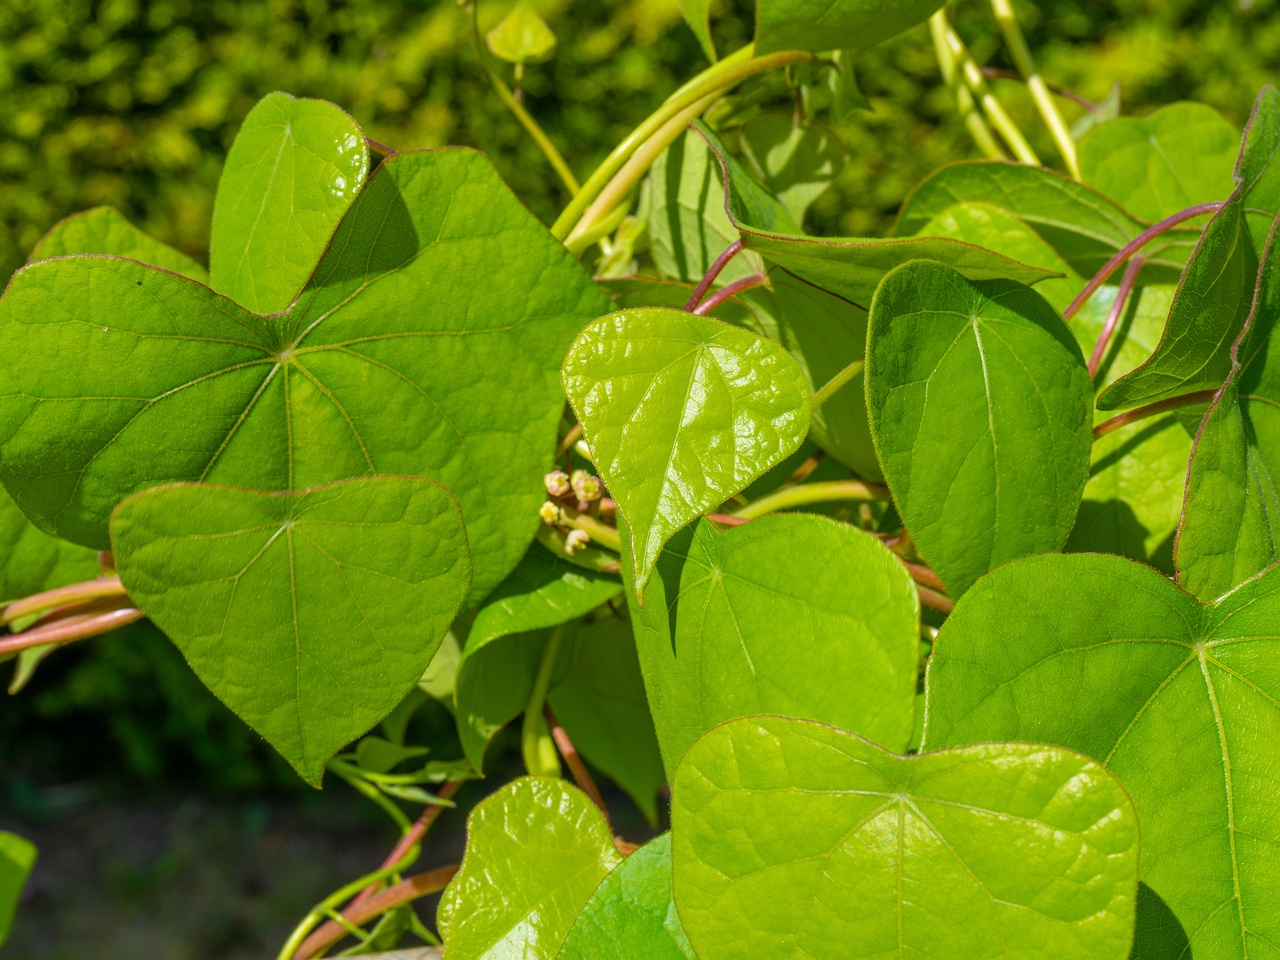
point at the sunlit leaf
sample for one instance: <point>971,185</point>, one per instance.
<point>697,13</point>
<point>522,36</point>
<point>103,230</point>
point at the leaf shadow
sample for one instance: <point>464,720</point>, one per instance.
<point>670,569</point>
<point>378,234</point>
<point>1158,935</point>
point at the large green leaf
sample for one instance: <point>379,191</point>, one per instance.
<point>310,614</point>
<point>536,851</point>
<point>791,614</point>
<point>293,171</point>
<point>1154,166</point>
<point>1258,172</point>
<point>795,839</point>
<point>825,25</point>
<point>103,230</point>
<point>680,412</point>
<point>17,857</point>
<point>123,377</point>
<point>981,412</point>
<point>849,267</point>
<point>631,915</point>
<point>797,161</point>
<point>1179,700</point>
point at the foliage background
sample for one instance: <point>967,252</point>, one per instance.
<point>133,103</point>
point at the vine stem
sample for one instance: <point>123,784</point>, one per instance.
<point>1132,247</point>
<point>722,261</point>
<point>1130,277</point>
<point>602,533</point>
<point>995,73</point>
<point>74,593</point>
<point>836,382</point>
<point>581,775</point>
<point>729,292</point>
<point>531,733</point>
<point>931,598</point>
<point>75,623</point>
<point>1040,92</point>
<point>973,120</point>
<point>1152,410</point>
<point>804,494</point>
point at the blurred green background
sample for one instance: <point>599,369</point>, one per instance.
<point>167,829</point>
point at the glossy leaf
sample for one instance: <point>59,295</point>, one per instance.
<point>790,614</point>
<point>981,412</point>
<point>791,838</point>
<point>125,377</point>
<point>522,36</point>
<point>1179,700</point>
<point>820,25</point>
<point>309,614</point>
<point>17,857</point>
<point>681,412</point>
<point>631,915</point>
<point>292,173</point>
<point>796,161</point>
<point>1181,155</point>
<point>104,231</point>
<point>536,851</point>
<point>697,13</point>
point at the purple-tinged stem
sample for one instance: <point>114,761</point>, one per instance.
<point>1132,247</point>
<point>80,626</point>
<point>993,73</point>
<point>1117,311</point>
<point>732,290</point>
<point>1152,410</point>
<point>705,283</point>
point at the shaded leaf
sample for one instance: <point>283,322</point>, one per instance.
<point>697,13</point>
<point>522,36</point>
<point>820,25</point>
<point>796,161</point>
<point>381,756</point>
<point>103,230</point>
<point>17,857</point>
<point>1107,109</point>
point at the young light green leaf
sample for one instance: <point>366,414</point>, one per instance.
<point>631,916</point>
<point>104,231</point>
<point>981,412</point>
<point>697,13</point>
<point>791,614</point>
<point>998,850</point>
<point>601,703</point>
<point>522,36</point>
<point>17,857</point>
<point>1179,700</point>
<point>820,25</point>
<point>309,614</point>
<point>1181,155</point>
<point>796,161</point>
<point>125,377</point>
<point>293,171</point>
<point>536,851</point>
<point>680,412</point>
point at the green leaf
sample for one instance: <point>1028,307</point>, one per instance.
<point>601,703</point>
<point>381,756</point>
<point>522,36</point>
<point>791,838</point>
<point>33,561</point>
<point>1086,228</point>
<point>791,614</point>
<point>536,851</point>
<point>796,161</point>
<point>103,230</point>
<point>1181,155</point>
<point>17,857</point>
<point>697,13</point>
<point>631,916</point>
<point>680,412</point>
<point>1107,109</point>
<point>820,25</point>
<point>1179,700</point>
<point>310,614</point>
<point>293,171</point>
<point>1257,172</point>
<point>846,95</point>
<point>125,377</point>
<point>981,412</point>
<point>848,267</point>
<point>441,676</point>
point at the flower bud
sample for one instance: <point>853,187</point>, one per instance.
<point>585,486</point>
<point>557,483</point>
<point>549,512</point>
<point>576,540</point>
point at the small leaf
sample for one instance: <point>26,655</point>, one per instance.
<point>790,614</point>
<point>1178,699</point>
<point>791,838</point>
<point>631,916</point>
<point>293,171</point>
<point>820,25</point>
<point>1177,157</point>
<point>681,412</point>
<point>310,614</point>
<point>1107,109</point>
<point>981,412</point>
<point>17,857</point>
<point>846,95</point>
<point>697,13</point>
<point>536,851</point>
<point>440,677</point>
<point>796,161</point>
<point>380,756</point>
<point>522,36</point>
<point>103,230</point>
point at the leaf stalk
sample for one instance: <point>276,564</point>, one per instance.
<point>1153,410</point>
<point>836,382</point>
<point>810,493</point>
<point>534,729</point>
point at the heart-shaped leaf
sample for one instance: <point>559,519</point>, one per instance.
<point>123,377</point>
<point>293,171</point>
<point>522,36</point>
<point>103,230</point>
<point>823,25</point>
<point>1179,700</point>
<point>536,851</point>
<point>791,614</point>
<point>631,915</point>
<point>981,411</point>
<point>1154,166</point>
<point>309,614</point>
<point>17,857</point>
<point>791,838</point>
<point>680,412</point>
<point>796,161</point>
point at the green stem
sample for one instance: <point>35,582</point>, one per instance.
<point>807,493</point>
<point>540,756</point>
<point>352,776</point>
<point>1040,92</point>
<point>729,71</point>
<point>973,120</point>
<point>601,533</point>
<point>579,243</point>
<point>1153,410</point>
<point>836,382</point>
